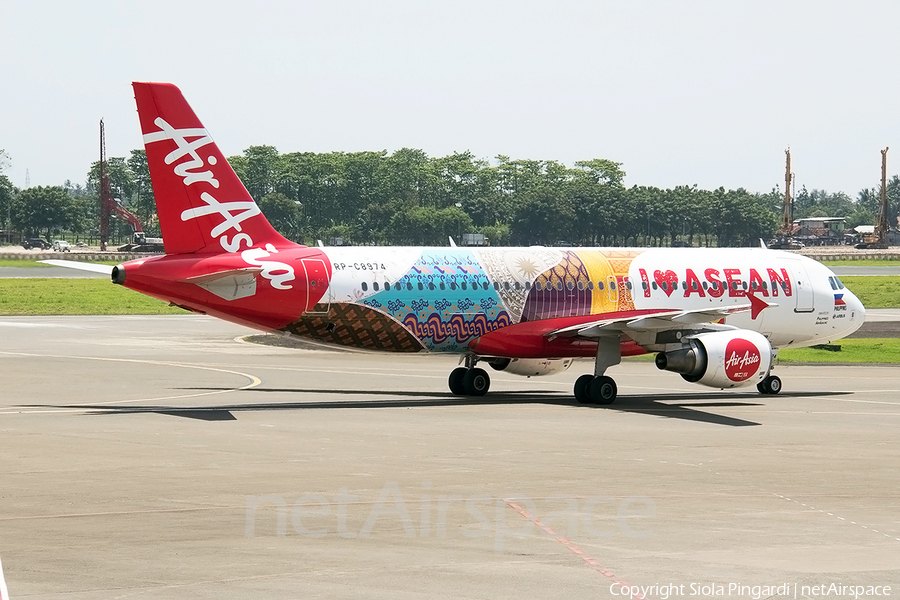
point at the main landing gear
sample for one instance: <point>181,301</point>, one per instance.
<point>469,380</point>
<point>599,388</point>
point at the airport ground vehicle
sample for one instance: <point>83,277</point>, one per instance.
<point>35,243</point>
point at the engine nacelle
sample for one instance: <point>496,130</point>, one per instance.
<point>531,367</point>
<point>721,359</point>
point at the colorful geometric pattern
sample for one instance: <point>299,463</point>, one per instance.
<point>355,326</point>
<point>445,300</point>
<point>451,296</point>
<point>563,291</point>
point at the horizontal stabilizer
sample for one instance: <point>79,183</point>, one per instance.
<point>229,285</point>
<point>72,264</point>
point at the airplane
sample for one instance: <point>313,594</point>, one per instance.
<point>715,316</point>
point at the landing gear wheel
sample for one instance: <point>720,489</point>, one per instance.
<point>602,390</point>
<point>581,389</point>
<point>456,381</point>
<point>769,385</point>
<point>476,382</point>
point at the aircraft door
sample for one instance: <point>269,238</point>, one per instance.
<point>802,288</point>
<point>318,290</point>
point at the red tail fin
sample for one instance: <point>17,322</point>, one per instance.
<point>203,207</point>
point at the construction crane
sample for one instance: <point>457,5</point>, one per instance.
<point>786,232</point>
<point>787,222</point>
<point>109,205</point>
<point>878,239</point>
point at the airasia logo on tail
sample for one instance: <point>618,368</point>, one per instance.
<point>741,360</point>
<point>190,165</point>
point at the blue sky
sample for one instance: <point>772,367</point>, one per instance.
<point>696,92</point>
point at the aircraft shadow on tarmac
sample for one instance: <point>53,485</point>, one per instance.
<point>682,406</point>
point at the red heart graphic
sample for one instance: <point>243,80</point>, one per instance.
<point>668,281</point>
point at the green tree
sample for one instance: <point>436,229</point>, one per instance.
<point>7,198</point>
<point>285,215</point>
<point>142,201</point>
<point>44,210</point>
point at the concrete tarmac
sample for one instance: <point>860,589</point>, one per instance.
<point>158,457</point>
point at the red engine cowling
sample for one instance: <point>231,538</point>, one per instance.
<point>722,359</point>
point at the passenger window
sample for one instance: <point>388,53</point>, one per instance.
<point>570,286</point>
<point>421,287</point>
<point>375,286</point>
<point>365,286</point>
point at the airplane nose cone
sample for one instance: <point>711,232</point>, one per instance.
<point>857,314</point>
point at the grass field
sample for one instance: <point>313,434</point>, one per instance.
<point>874,292</point>
<point>76,297</point>
<point>856,350</point>
<point>869,262</point>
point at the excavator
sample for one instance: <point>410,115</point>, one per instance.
<point>109,205</point>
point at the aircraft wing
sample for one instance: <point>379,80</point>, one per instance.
<point>73,264</point>
<point>661,320</point>
<point>670,319</point>
<point>569,336</point>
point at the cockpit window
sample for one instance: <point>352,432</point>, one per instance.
<point>840,285</point>
<point>833,283</point>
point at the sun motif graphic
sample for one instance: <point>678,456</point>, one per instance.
<point>527,267</point>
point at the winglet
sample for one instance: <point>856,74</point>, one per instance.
<point>757,305</point>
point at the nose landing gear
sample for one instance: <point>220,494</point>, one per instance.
<point>769,385</point>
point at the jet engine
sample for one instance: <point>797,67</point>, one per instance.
<point>530,367</point>
<point>721,359</point>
